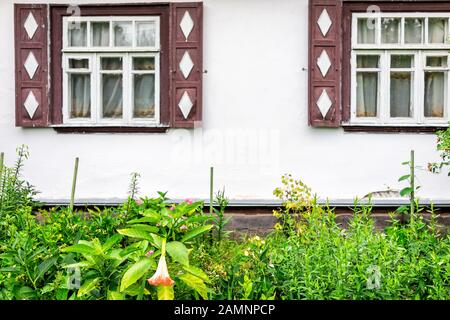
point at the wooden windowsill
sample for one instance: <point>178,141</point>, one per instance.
<point>110,129</point>
<point>392,129</point>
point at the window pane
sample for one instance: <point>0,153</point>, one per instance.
<point>436,61</point>
<point>144,96</point>
<point>145,34</point>
<point>437,30</point>
<point>367,61</point>
<point>100,34</point>
<point>147,63</point>
<point>111,63</point>
<point>366,94</point>
<point>401,94</point>
<point>80,95</point>
<point>366,30</point>
<point>77,34</point>
<point>123,35</point>
<point>414,30</point>
<point>390,30</point>
<point>400,61</point>
<point>112,95</point>
<point>434,94</point>
<point>78,63</point>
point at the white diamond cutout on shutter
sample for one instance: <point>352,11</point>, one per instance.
<point>324,103</point>
<point>324,22</point>
<point>31,65</point>
<point>324,63</point>
<point>187,24</point>
<point>186,65</point>
<point>30,25</point>
<point>31,104</point>
<point>185,105</point>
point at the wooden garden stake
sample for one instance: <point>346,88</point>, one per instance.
<point>74,184</point>
<point>412,194</point>
<point>2,160</point>
<point>211,190</point>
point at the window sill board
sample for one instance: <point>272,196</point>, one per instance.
<point>392,129</point>
<point>109,129</point>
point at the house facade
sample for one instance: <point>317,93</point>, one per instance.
<point>334,92</point>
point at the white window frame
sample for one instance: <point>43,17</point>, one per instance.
<point>385,51</point>
<point>94,54</point>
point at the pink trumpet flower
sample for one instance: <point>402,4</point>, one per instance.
<point>188,201</point>
<point>161,276</point>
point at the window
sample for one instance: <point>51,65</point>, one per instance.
<point>399,69</point>
<point>111,70</point>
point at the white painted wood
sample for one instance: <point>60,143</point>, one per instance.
<point>30,25</point>
<point>324,22</point>
<point>186,25</point>
<point>31,104</point>
<point>324,63</point>
<point>324,103</point>
<point>186,64</point>
<point>31,65</point>
<point>185,104</point>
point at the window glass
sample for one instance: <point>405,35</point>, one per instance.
<point>78,63</point>
<point>112,63</point>
<point>437,30</point>
<point>367,94</point>
<point>112,96</point>
<point>123,35</point>
<point>390,30</point>
<point>401,61</point>
<point>77,34</point>
<point>400,94</point>
<point>100,34</point>
<point>145,34</point>
<point>367,61</point>
<point>434,94</point>
<point>434,61</point>
<point>414,29</point>
<point>144,96</point>
<point>366,31</point>
<point>80,95</point>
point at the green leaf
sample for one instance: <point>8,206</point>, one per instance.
<point>195,283</point>
<point>135,272</point>
<point>149,213</point>
<point>80,248</point>
<point>405,163</point>
<point>165,292</point>
<point>45,266</point>
<point>82,264</point>
<point>405,191</point>
<point>88,286</point>
<point>145,227</point>
<point>111,242</point>
<point>196,232</point>
<point>405,177</point>
<point>144,220</point>
<point>114,295</point>
<point>157,240</point>
<point>197,272</point>
<point>135,233</point>
<point>178,252</point>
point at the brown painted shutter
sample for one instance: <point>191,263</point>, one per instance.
<point>324,63</point>
<point>186,64</point>
<point>31,61</point>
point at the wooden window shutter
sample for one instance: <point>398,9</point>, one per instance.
<point>31,63</point>
<point>324,63</point>
<point>186,64</point>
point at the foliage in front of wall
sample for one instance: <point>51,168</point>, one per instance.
<point>443,146</point>
<point>150,248</point>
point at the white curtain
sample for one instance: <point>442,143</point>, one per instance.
<point>112,93</point>
<point>366,31</point>
<point>77,34</point>
<point>144,96</point>
<point>100,34</point>
<point>437,30</point>
<point>434,94</point>
<point>145,34</point>
<point>366,94</point>
<point>400,94</point>
<point>390,28</point>
<point>413,30</point>
<point>80,93</point>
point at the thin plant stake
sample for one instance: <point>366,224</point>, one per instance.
<point>74,184</point>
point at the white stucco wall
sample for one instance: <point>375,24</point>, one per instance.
<point>254,51</point>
